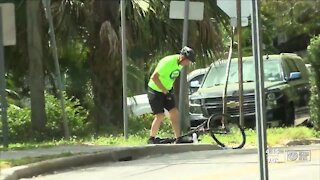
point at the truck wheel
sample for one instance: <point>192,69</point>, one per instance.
<point>288,116</point>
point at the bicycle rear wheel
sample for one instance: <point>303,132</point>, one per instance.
<point>225,132</point>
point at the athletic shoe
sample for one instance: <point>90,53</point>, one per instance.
<point>153,140</point>
<point>180,140</point>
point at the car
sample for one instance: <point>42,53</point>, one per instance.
<point>286,90</point>
<point>195,78</point>
<point>139,104</point>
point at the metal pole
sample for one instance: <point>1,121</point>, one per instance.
<point>240,75</point>
<point>183,106</point>
<point>124,68</point>
<point>259,92</point>
<point>46,4</point>
<point>3,101</point>
<point>224,95</point>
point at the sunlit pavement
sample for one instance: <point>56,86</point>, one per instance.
<point>299,162</point>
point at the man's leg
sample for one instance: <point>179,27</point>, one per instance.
<point>156,124</point>
<point>174,116</point>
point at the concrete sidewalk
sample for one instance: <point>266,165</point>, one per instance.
<point>86,155</point>
<point>91,154</point>
<point>73,149</point>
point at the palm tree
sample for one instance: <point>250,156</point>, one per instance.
<point>35,54</point>
<point>149,32</point>
<point>148,22</point>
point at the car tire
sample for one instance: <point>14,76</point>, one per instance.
<point>288,116</point>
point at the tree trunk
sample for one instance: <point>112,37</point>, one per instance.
<point>34,33</point>
<point>105,65</point>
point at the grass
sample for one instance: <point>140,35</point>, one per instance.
<point>275,137</point>
<point>32,145</point>
<point>280,136</point>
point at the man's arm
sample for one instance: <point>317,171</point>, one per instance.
<point>156,80</point>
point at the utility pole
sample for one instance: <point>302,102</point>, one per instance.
<point>124,68</point>
<point>240,68</point>
<point>180,10</point>
<point>46,4</point>
<point>259,92</point>
<point>183,107</point>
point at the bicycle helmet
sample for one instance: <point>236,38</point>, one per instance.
<point>188,53</point>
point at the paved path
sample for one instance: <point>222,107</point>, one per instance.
<point>237,164</point>
<point>91,154</point>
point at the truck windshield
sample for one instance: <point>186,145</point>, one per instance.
<point>217,73</point>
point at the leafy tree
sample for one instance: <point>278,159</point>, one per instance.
<point>291,23</point>
<point>314,54</point>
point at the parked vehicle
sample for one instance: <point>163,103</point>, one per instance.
<point>195,78</point>
<point>286,90</point>
<point>139,104</point>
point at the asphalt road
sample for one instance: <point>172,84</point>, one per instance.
<point>294,163</point>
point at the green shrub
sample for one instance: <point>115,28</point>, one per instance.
<point>19,121</point>
<point>76,116</point>
<point>314,59</point>
<point>314,104</point>
<point>140,126</point>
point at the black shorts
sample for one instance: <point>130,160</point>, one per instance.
<point>159,101</point>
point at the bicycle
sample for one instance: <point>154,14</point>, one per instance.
<point>226,132</point>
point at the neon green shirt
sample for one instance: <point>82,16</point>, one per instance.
<point>168,70</point>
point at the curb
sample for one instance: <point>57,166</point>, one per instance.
<point>130,153</point>
<point>303,142</point>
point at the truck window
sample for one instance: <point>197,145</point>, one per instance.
<point>272,70</point>
<point>292,65</point>
<point>302,68</point>
<point>216,75</point>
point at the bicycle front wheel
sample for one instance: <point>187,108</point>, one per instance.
<point>225,132</point>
